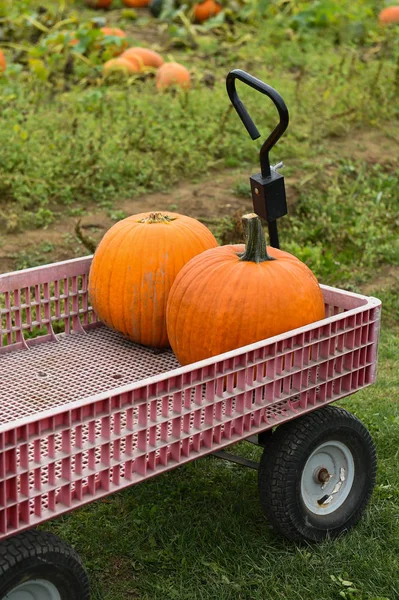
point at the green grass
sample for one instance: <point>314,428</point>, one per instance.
<point>69,141</point>
<point>68,138</point>
<point>347,226</point>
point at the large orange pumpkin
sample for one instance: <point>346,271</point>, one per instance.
<point>3,63</point>
<point>234,295</point>
<point>134,268</point>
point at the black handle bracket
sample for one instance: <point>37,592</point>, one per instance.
<point>268,188</point>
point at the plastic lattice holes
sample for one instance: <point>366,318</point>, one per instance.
<point>42,303</point>
<point>84,411</point>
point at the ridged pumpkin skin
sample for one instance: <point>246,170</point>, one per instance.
<point>219,302</point>
<point>134,268</point>
<point>3,62</point>
<point>389,15</point>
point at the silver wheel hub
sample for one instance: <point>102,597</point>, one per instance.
<point>327,478</point>
<point>35,589</point>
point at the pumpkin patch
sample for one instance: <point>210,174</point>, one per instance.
<point>231,296</point>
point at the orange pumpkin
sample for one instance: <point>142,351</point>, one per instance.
<point>120,64</point>
<point>115,31</point>
<point>234,295</point>
<point>206,10</point>
<point>3,62</point>
<point>114,49</point>
<point>389,15</point>
<point>136,3</point>
<point>148,57</point>
<point>99,3</point>
<point>134,268</point>
<point>171,74</point>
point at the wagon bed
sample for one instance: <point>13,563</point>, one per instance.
<point>85,412</point>
<point>73,368</point>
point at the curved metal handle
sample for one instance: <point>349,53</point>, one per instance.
<point>250,126</point>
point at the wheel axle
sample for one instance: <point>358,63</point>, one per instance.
<point>321,475</point>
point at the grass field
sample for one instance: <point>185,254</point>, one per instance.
<point>75,147</point>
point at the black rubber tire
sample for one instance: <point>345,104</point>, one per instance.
<point>41,555</point>
<point>282,464</point>
<point>264,437</point>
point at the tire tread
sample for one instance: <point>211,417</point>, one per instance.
<point>35,543</point>
<point>277,466</point>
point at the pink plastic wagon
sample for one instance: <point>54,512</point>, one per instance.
<point>85,412</point>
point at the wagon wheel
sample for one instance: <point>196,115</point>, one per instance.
<point>36,565</point>
<point>317,474</point>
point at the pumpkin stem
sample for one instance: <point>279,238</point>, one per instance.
<point>157,217</point>
<point>255,243</point>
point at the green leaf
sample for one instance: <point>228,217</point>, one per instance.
<point>38,67</point>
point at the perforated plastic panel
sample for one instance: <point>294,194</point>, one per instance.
<point>75,367</point>
<point>84,412</point>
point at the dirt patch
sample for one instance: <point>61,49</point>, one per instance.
<point>387,279</point>
<point>209,200</point>
<point>370,146</point>
<point>151,35</point>
<point>213,198</point>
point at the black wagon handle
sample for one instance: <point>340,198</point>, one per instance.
<point>250,126</point>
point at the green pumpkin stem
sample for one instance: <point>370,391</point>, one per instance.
<point>157,217</point>
<point>255,242</point>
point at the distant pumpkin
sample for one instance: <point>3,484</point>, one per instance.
<point>115,31</point>
<point>136,3</point>
<point>120,65</point>
<point>150,58</point>
<point>172,74</point>
<point>206,10</point>
<point>134,267</point>
<point>3,62</point>
<point>116,48</point>
<point>389,15</point>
